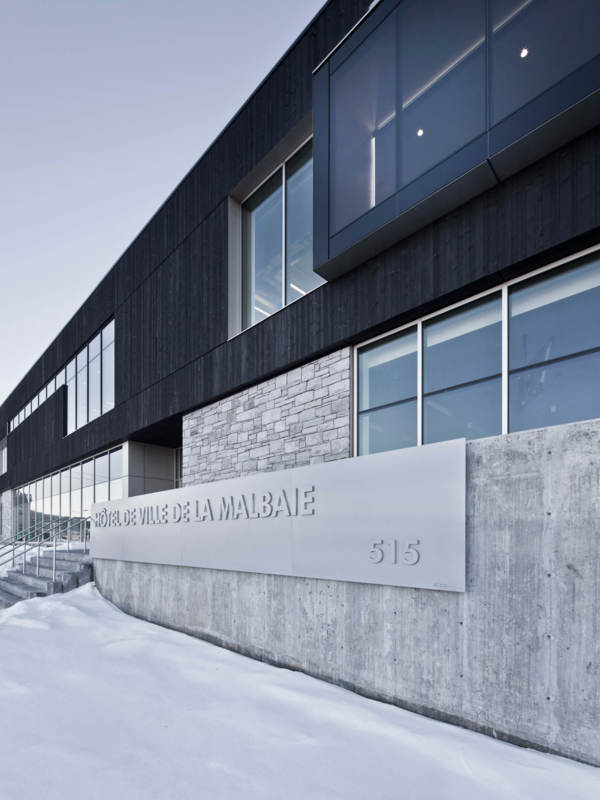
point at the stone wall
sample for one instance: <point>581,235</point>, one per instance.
<point>300,417</point>
<point>516,656</point>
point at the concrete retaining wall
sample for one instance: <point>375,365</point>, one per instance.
<point>518,655</point>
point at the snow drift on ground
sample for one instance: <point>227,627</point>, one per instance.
<point>96,704</point>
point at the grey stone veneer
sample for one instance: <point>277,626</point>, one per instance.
<point>516,656</point>
<point>300,417</point>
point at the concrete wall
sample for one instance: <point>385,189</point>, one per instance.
<point>147,468</point>
<point>518,655</point>
<point>301,417</point>
<point>6,515</point>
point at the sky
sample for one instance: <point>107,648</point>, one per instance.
<point>105,105</point>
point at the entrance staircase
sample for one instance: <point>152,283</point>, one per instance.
<point>44,562</point>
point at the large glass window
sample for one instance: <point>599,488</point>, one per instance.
<point>299,275</point>
<point>90,380</point>
<point>363,127</point>
<point>68,494</point>
<point>387,396</point>
<point>71,397</point>
<point>548,356</point>
<point>535,44</point>
<point>101,478</point>
<point>116,474</point>
<point>87,487</point>
<point>82,388</point>
<point>108,367</point>
<point>94,380</point>
<point>462,366</point>
<point>3,457</point>
<point>554,352</point>
<point>277,251</point>
<point>424,63</point>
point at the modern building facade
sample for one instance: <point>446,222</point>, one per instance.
<point>395,242</point>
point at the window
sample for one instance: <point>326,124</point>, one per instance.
<point>420,65</point>
<point>69,494</point>
<point>448,376</point>
<point>94,380</point>
<point>277,242</point>
<point>387,395</point>
<point>108,367</point>
<point>3,457</point>
<point>554,351</point>
<point>426,103</point>
<point>462,365</point>
<point>535,44</point>
<point>90,381</point>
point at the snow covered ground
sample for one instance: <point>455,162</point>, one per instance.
<point>96,704</point>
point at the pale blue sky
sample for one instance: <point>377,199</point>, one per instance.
<point>104,106</point>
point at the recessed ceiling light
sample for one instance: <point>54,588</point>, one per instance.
<point>524,52</point>
<point>420,132</point>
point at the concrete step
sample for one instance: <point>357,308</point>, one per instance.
<point>21,590</point>
<point>39,583</point>
<point>68,579</point>
<point>62,564</point>
<point>7,599</point>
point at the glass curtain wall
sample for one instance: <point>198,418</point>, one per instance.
<point>552,368</point>
<point>424,63</point>
<point>68,494</point>
<point>277,240</point>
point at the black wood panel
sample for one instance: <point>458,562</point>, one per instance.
<point>171,317</point>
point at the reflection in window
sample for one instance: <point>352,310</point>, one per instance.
<point>536,43</point>
<point>94,379</point>
<point>82,388</point>
<point>363,127</point>
<point>554,350</point>
<point>387,398</point>
<point>424,64</point>
<point>90,381</point>
<point>441,49</point>
<point>3,457</point>
<point>108,367</point>
<point>116,474</point>
<point>462,366</point>
<point>300,277</point>
<point>68,494</point>
<point>263,262</point>
<point>279,213</point>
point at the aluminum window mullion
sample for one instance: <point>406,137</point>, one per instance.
<point>504,360</point>
<point>419,383</point>
<point>283,237</point>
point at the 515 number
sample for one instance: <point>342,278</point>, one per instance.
<point>392,551</point>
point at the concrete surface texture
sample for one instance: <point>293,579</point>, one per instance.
<point>517,655</point>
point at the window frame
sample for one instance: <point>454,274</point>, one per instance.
<point>503,288</point>
<point>237,279</point>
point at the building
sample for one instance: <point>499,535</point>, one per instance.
<point>395,242</point>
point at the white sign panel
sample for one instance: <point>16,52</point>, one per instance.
<point>394,518</point>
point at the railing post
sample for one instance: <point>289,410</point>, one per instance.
<point>54,561</point>
<point>39,555</point>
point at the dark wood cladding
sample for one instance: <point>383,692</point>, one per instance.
<point>168,292</point>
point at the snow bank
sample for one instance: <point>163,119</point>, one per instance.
<point>96,704</point>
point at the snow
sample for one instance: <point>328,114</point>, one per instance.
<point>97,704</point>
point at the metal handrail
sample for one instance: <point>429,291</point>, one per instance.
<point>28,545</point>
<point>38,529</point>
